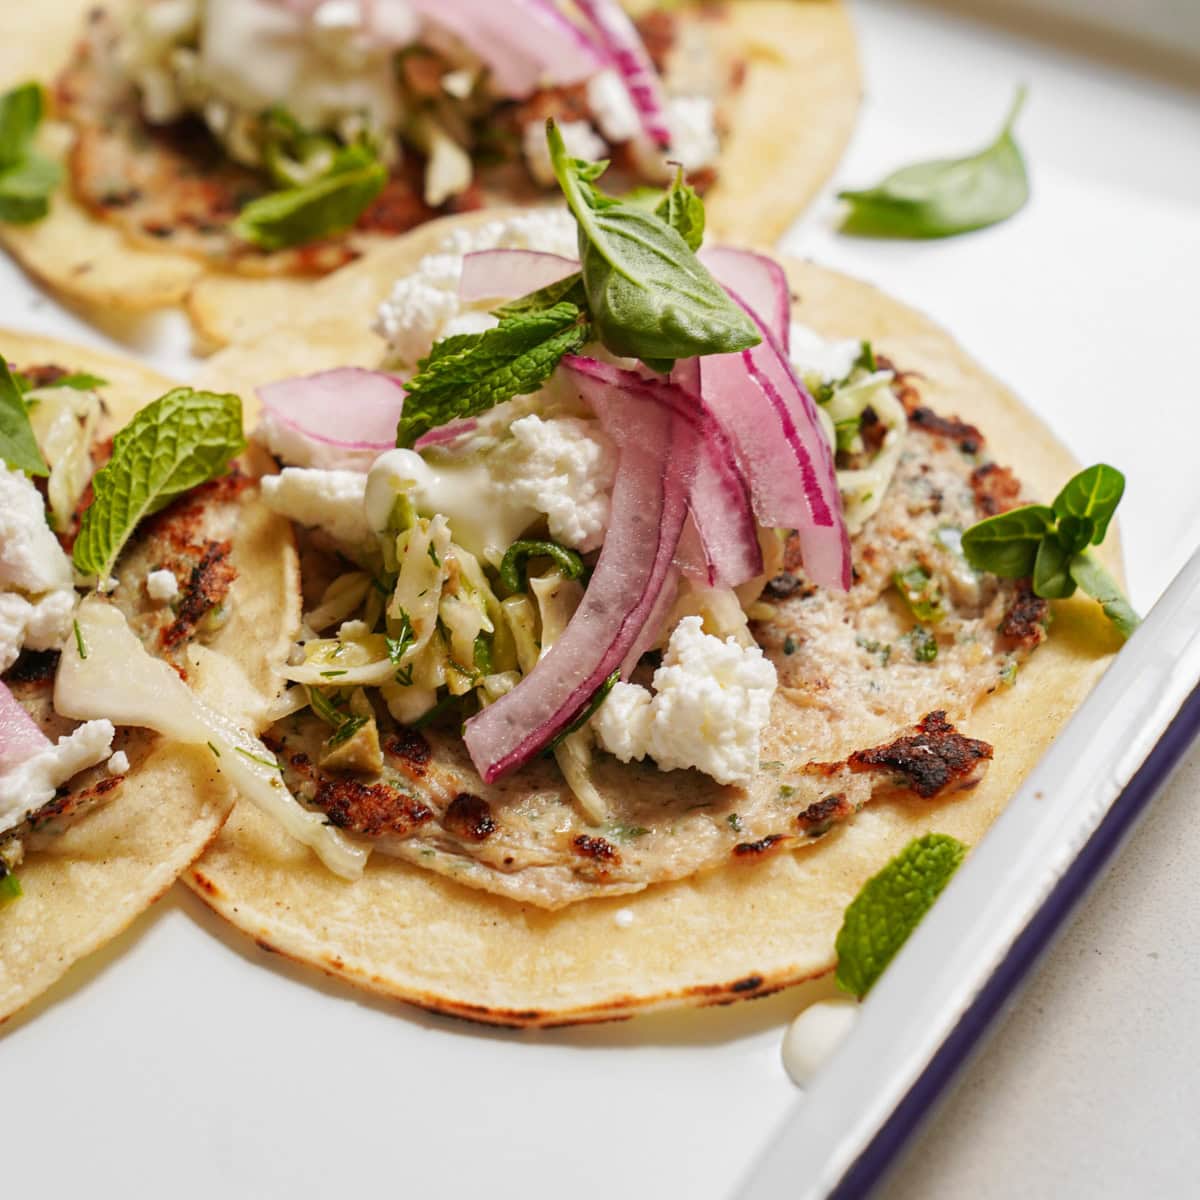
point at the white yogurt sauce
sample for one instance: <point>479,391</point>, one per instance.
<point>814,1035</point>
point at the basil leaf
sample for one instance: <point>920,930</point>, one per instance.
<point>890,905</point>
<point>1052,570</point>
<point>478,371</point>
<point>1007,544</point>
<point>683,210</point>
<point>18,446</point>
<point>648,295</point>
<point>1100,585</point>
<point>26,188</point>
<point>1092,495</point>
<point>182,440</point>
<point>328,206</point>
<point>21,112</point>
<point>513,567</point>
<point>946,196</point>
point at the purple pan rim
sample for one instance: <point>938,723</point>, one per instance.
<point>885,1147</point>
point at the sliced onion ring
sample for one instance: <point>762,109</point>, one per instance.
<point>719,497</point>
<point>343,418</point>
<point>20,738</point>
<point>507,274</point>
<point>760,281</point>
<point>760,401</point>
<point>649,504</point>
<point>620,37</point>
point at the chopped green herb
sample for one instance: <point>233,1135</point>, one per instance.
<point>262,762</point>
<point>882,650</point>
<point>922,643</point>
<point>10,888</point>
<point>734,822</point>
<point>625,833</point>
<point>404,675</point>
<point>890,906</point>
<point>1008,674</point>
<point>431,550</point>
<point>786,792</point>
<point>80,644</point>
<point>27,178</point>
<point>513,567</point>
<point>483,654</point>
<point>325,708</point>
<point>945,196</point>
<point>331,674</point>
<point>790,645</point>
<point>921,593</point>
<point>216,752</point>
<point>345,731</point>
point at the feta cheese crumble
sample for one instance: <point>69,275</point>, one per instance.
<point>423,305</point>
<point>328,500</point>
<point>161,586</point>
<point>25,787</point>
<point>118,764</point>
<point>612,108</point>
<point>711,701</point>
<point>815,356</point>
<point>31,560</point>
<point>562,467</point>
<point>40,624</point>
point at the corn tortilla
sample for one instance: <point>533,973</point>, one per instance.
<point>92,881</point>
<point>788,125</point>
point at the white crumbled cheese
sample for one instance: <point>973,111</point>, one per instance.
<point>25,787</point>
<point>328,500</point>
<point>348,631</point>
<point>424,306</point>
<point>580,139</point>
<point>612,107</point>
<point>711,701</point>
<point>39,624</point>
<point>563,467</point>
<point>693,127</point>
<point>814,1036</point>
<point>162,586</point>
<point>31,560</point>
<point>118,764</point>
<point>813,355</point>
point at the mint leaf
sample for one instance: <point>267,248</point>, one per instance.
<point>478,371</point>
<point>182,440</point>
<point>1100,585</point>
<point>21,112</point>
<point>648,295</point>
<point>946,196</point>
<point>80,381</point>
<point>18,446</point>
<point>890,906</point>
<point>1091,496</point>
<point>1007,544</point>
<point>569,289</point>
<point>26,188</point>
<point>683,210</point>
<point>327,206</point>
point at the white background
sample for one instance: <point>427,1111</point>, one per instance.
<point>183,1061</point>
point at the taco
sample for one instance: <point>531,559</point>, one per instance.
<point>654,638</point>
<point>99,814</point>
<point>229,150</point>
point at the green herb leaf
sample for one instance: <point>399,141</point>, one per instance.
<point>1101,586</point>
<point>80,644</point>
<point>649,297</point>
<point>1091,496</point>
<point>921,593</point>
<point>1007,544</point>
<point>18,446</point>
<point>10,888</point>
<point>26,188</point>
<point>182,440</point>
<point>946,196</point>
<point>923,644</point>
<point>327,206</point>
<point>81,381</point>
<point>568,289</point>
<point>513,565</point>
<point>1051,570</point>
<point>683,210</point>
<point>21,112</point>
<point>890,906</point>
<point>345,731</point>
<point>482,370</point>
